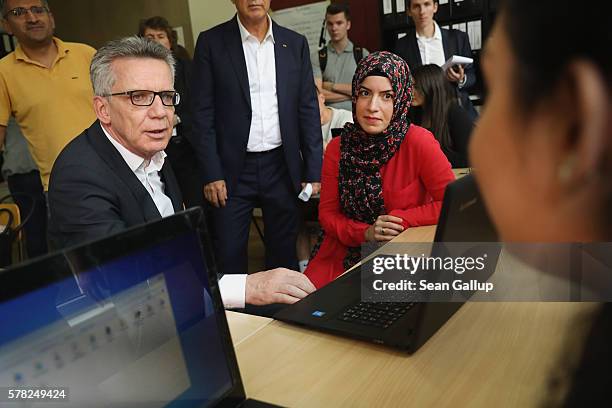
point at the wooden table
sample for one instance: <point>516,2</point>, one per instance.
<point>242,326</point>
<point>487,354</point>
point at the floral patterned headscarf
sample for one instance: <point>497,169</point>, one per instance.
<point>362,154</point>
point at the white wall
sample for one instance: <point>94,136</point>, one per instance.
<point>206,14</point>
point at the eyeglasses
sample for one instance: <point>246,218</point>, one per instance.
<point>146,98</point>
<point>22,11</point>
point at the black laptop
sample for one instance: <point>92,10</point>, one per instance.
<point>133,320</point>
<point>338,307</point>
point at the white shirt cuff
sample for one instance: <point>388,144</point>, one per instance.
<point>462,83</point>
<point>232,288</point>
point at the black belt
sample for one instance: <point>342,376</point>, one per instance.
<point>264,152</point>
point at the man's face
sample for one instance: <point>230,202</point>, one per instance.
<point>422,12</point>
<point>337,26</point>
<point>159,36</point>
<point>252,11</point>
<point>143,130</point>
<point>31,28</point>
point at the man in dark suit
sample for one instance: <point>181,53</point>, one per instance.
<point>256,131</point>
<point>427,43</point>
<point>114,176</point>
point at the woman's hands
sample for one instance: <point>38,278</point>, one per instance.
<point>385,228</point>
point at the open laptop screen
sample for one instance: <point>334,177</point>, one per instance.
<point>136,330</point>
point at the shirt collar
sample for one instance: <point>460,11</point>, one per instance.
<point>349,46</point>
<point>437,34</point>
<point>62,51</point>
<point>244,33</point>
<point>133,160</point>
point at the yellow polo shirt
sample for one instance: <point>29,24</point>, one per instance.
<point>51,105</point>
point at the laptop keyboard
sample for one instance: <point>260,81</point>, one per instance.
<point>376,314</point>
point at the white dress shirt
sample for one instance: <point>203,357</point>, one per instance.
<point>265,131</point>
<point>232,287</point>
<point>431,49</point>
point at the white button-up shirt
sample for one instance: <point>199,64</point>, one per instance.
<point>232,287</point>
<point>265,131</point>
<point>147,172</point>
<point>431,49</point>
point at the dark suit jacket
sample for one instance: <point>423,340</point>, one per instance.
<point>222,105</point>
<point>455,42</point>
<point>93,193</point>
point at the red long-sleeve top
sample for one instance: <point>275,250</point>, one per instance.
<point>413,183</point>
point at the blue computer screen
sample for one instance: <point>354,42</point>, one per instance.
<point>139,330</point>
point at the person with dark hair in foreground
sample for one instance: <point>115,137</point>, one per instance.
<point>543,151</point>
<point>381,175</point>
<point>436,109</point>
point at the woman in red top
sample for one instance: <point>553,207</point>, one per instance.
<point>382,175</point>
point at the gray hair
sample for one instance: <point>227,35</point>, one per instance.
<point>3,6</point>
<point>101,71</point>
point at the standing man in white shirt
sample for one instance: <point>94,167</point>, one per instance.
<point>426,43</point>
<point>256,132</point>
<point>114,175</point>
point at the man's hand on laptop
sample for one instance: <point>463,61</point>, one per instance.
<point>278,285</point>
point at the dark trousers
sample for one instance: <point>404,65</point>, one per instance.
<point>463,98</point>
<point>36,227</point>
<point>264,183</point>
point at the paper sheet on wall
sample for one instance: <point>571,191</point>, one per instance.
<point>180,35</point>
<point>387,6</point>
<point>474,29</point>
<point>460,27</point>
<point>305,20</point>
<point>443,1</point>
<point>400,6</point>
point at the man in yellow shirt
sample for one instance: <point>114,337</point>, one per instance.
<point>44,83</point>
